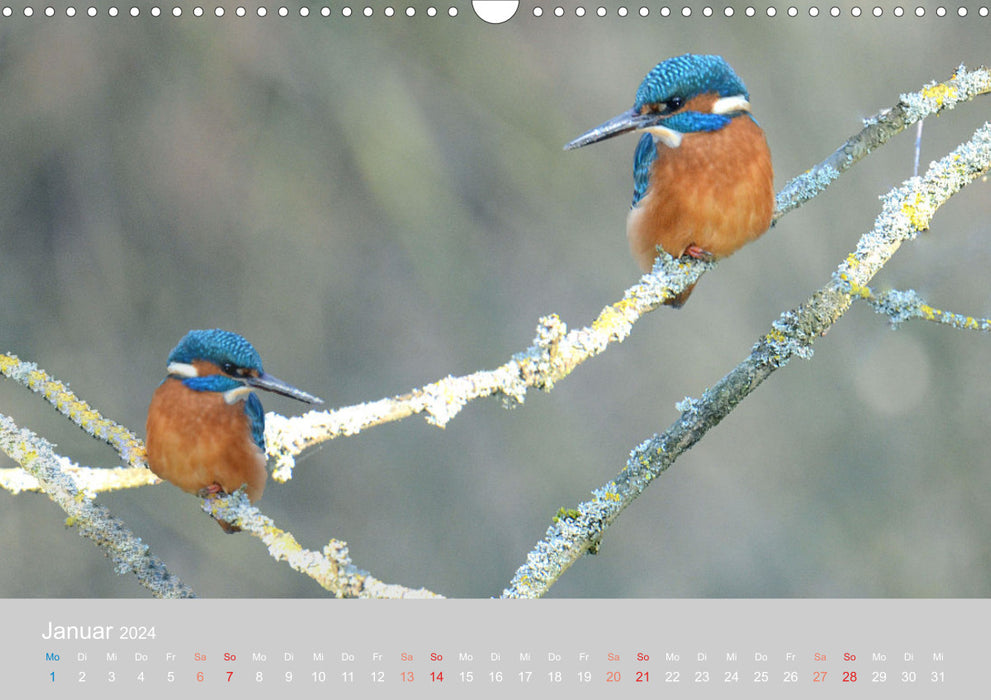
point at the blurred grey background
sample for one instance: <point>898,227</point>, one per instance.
<point>379,202</point>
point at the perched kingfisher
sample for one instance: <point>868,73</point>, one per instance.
<point>206,427</point>
<point>703,185</point>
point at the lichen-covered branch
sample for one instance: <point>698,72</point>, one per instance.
<point>53,473</point>
<point>128,445</point>
<point>913,107</point>
<point>900,306</point>
<point>332,568</point>
<point>554,354</point>
<point>906,211</point>
<point>89,479</point>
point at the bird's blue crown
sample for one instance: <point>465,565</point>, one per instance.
<point>217,346</point>
<point>687,76</point>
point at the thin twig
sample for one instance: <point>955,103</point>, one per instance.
<point>900,306</point>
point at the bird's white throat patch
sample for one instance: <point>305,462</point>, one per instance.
<point>238,394</point>
<point>669,137</point>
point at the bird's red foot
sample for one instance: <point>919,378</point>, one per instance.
<point>211,490</point>
<point>694,251</point>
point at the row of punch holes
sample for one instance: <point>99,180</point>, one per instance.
<point>537,11</point>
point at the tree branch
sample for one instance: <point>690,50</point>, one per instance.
<point>128,445</point>
<point>331,568</point>
<point>913,107</point>
<point>900,306</point>
<point>554,354</point>
<point>128,553</point>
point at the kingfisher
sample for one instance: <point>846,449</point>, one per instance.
<point>206,428</point>
<point>703,185</point>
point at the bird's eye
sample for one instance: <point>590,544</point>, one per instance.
<point>229,368</point>
<point>669,106</point>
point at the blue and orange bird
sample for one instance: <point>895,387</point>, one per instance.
<point>703,185</point>
<point>206,427</point>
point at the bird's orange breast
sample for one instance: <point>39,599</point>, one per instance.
<point>196,440</point>
<point>715,191</point>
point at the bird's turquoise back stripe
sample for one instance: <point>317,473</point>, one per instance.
<point>256,415</point>
<point>642,160</point>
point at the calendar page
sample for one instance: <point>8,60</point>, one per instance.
<point>647,341</point>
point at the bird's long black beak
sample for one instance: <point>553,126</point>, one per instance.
<point>628,121</point>
<point>269,383</point>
